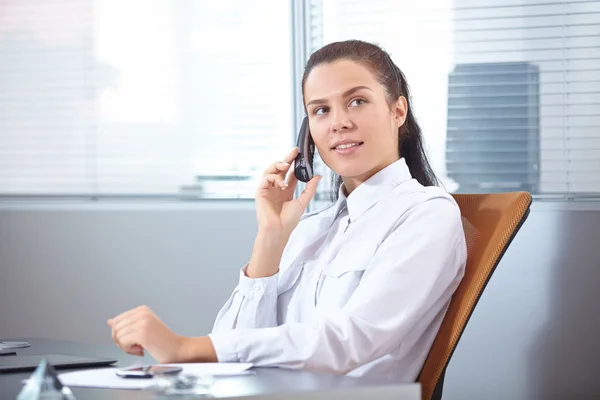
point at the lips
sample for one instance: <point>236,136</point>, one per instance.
<point>346,145</point>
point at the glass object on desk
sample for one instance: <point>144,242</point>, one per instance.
<point>183,384</point>
<point>13,345</point>
<point>43,384</point>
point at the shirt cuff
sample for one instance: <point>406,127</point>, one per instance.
<point>252,287</point>
<point>225,345</point>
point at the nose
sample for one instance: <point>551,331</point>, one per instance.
<point>339,121</point>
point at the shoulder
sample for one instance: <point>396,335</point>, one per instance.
<point>415,198</point>
<point>438,201</point>
<point>428,225</point>
<point>426,211</point>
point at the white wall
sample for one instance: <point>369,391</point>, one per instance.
<point>66,269</point>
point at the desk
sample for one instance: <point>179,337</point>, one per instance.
<point>271,383</point>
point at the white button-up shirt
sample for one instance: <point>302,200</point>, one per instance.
<point>362,287</point>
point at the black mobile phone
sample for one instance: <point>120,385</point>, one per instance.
<point>303,166</point>
<point>148,371</point>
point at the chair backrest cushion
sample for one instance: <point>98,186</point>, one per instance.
<point>490,222</point>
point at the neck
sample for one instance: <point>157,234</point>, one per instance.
<point>349,184</point>
<point>352,182</point>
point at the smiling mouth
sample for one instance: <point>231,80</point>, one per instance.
<point>346,146</point>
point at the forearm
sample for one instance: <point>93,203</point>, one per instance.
<point>266,254</point>
<point>197,349</point>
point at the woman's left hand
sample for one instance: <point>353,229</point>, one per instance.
<point>140,330</point>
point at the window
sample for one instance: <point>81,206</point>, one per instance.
<point>192,99</point>
<point>507,91</point>
<point>143,97</point>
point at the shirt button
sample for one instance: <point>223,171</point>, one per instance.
<point>256,288</point>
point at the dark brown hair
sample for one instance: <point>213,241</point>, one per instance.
<point>410,138</point>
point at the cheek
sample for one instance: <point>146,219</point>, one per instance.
<point>372,119</point>
<point>386,137</point>
<point>319,136</point>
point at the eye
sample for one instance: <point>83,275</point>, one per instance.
<point>357,102</point>
<point>320,110</point>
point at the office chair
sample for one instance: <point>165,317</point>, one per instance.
<point>491,221</point>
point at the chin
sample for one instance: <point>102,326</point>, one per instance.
<point>351,171</point>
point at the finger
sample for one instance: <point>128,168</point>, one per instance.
<point>309,191</point>
<point>124,323</point>
<point>273,180</point>
<point>138,347</point>
<point>291,156</point>
<point>267,182</point>
<point>130,344</point>
<point>113,334</point>
<point>130,333</point>
<point>278,167</point>
<point>134,334</point>
<point>136,351</point>
<point>290,177</point>
<point>128,314</point>
<point>282,166</point>
<point>118,331</point>
<point>115,338</point>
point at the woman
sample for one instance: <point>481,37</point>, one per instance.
<point>360,286</point>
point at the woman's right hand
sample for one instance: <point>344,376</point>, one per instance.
<point>276,209</point>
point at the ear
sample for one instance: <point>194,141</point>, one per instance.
<point>400,111</point>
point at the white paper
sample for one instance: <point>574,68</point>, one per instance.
<point>107,377</point>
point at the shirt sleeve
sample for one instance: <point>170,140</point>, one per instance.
<point>410,279</point>
<point>253,304</point>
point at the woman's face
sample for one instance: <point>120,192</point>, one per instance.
<point>354,128</point>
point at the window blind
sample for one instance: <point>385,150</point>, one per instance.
<point>513,100</point>
<point>142,97</point>
<point>192,98</point>
<point>523,67</point>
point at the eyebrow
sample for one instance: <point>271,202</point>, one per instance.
<point>345,94</point>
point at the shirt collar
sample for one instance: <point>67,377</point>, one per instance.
<point>368,193</point>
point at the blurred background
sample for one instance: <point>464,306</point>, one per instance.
<point>132,133</point>
<point>192,98</point>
